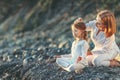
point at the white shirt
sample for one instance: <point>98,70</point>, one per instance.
<point>79,48</point>
<point>102,44</point>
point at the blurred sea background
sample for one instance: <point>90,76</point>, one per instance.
<point>47,23</point>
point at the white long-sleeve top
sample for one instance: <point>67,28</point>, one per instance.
<point>68,61</point>
<point>79,48</point>
<point>102,44</point>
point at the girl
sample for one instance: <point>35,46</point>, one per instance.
<point>103,31</point>
<point>75,61</point>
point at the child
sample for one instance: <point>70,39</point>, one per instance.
<point>76,61</point>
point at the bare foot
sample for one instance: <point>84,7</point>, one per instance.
<point>78,71</point>
<point>114,63</point>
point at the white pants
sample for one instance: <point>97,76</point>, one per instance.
<point>101,59</point>
<point>66,64</point>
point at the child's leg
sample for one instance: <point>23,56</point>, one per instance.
<point>65,63</point>
<point>78,67</point>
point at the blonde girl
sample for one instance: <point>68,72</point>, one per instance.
<point>76,61</point>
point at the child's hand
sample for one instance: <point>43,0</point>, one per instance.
<point>79,59</point>
<point>78,20</point>
<point>57,56</point>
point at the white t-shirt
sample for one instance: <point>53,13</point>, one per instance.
<point>102,44</point>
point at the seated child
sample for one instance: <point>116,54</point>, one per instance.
<point>76,61</point>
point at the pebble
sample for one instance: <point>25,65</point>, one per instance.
<point>40,58</point>
<point>27,60</point>
<point>10,58</point>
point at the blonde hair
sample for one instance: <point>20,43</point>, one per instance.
<point>108,19</point>
<point>80,26</point>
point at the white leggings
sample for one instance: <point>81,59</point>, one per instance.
<point>101,59</point>
<point>66,64</point>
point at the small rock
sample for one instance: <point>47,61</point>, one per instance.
<point>27,60</point>
<point>40,58</point>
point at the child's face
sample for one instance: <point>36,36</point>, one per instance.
<point>77,33</point>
